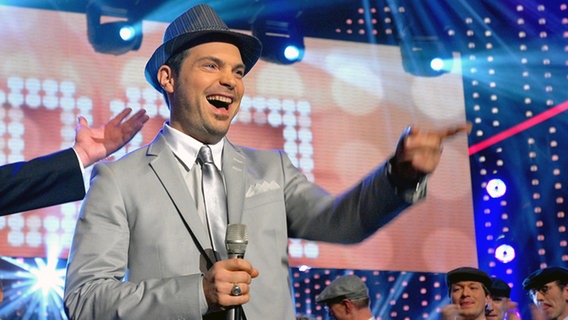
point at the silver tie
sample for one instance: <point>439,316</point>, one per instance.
<point>215,201</point>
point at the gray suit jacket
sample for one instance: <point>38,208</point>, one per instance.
<point>140,248</point>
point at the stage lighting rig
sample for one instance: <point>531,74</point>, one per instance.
<point>424,43</point>
<point>113,28</point>
<point>282,40</point>
<point>425,56</point>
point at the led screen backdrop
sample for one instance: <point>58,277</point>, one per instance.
<point>338,114</point>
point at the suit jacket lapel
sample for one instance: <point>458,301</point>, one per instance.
<point>234,171</point>
<point>163,162</point>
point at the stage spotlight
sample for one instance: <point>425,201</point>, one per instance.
<point>127,32</point>
<point>113,37</point>
<point>496,188</point>
<point>437,64</point>
<point>505,249</point>
<point>505,253</point>
<point>292,53</point>
<point>47,278</point>
<point>282,41</point>
<point>425,56</point>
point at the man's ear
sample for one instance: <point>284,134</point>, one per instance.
<point>166,78</point>
<point>349,306</point>
<point>565,292</point>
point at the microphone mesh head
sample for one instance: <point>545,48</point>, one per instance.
<point>236,239</point>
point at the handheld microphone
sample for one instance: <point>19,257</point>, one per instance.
<point>236,241</point>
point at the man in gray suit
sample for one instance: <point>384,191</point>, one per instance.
<point>142,248</point>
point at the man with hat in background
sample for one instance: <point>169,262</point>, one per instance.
<point>549,292</point>
<point>501,306</point>
<point>147,242</point>
<point>468,289</point>
<point>347,298</point>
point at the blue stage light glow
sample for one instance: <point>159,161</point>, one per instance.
<point>292,53</point>
<point>34,290</point>
<point>127,32</point>
<point>437,64</point>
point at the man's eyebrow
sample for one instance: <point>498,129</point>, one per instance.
<point>222,62</point>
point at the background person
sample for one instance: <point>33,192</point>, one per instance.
<point>468,289</point>
<point>58,178</point>
<point>143,245</point>
<point>501,306</point>
<point>549,292</point>
<point>347,297</point>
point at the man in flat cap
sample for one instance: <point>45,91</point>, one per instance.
<point>549,291</point>
<point>501,306</point>
<point>347,297</point>
<point>468,289</point>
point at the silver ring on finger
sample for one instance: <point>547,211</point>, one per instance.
<point>236,290</point>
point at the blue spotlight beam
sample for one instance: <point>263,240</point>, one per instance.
<point>35,291</point>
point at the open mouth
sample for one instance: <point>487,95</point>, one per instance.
<point>220,101</point>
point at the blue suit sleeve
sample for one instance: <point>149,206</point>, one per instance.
<point>45,181</point>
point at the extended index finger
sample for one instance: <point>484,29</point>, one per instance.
<point>450,132</point>
<point>441,134</point>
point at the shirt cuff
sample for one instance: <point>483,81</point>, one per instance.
<point>79,160</point>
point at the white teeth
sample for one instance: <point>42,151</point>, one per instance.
<point>220,98</point>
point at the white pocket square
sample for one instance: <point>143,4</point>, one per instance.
<point>261,187</point>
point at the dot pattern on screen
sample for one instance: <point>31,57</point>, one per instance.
<point>35,230</point>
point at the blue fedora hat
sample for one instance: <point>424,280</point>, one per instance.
<point>200,24</point>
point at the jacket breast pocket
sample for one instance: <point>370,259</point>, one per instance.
<point>264,198</point>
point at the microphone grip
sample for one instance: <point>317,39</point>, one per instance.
<point>235,255</point>
<point>236,241</point>
<point>235,313</point>
<point>232,314</point>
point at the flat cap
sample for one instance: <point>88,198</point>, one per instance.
<point>350,287</point>
<point>543,276</point>
<point>499,288</point>
<point>467,274</point>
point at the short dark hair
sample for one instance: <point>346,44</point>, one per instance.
<point>361,303</point>
<point>174,62</point>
